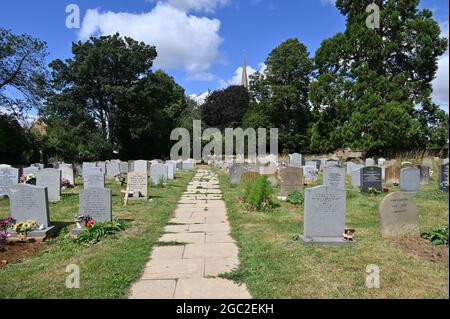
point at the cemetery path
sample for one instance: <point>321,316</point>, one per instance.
<point>189,270</point>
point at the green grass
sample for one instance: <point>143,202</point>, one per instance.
<point>108,268</point>
<point>274,264</point>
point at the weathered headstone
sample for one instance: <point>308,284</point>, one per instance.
<point>30,170</point>
<point>371,178</point>
<point>140,166</point>
<point>295,160</point>
<point>443,177</point>
<point>174,168</point>
<point>334,176</point>
<point>188,165</point>
<point>50,178</point>
<point>94,178</point>
<point>350,166</point>
<point>356,177</point>
<point>137,184</point>
<point>112,169</point>
<point>399,216</point>
<point>237,169</point>
<point>291,179</point>
<point>370,162</point>
<point>9,177</point>
<point>392,175</point>
<point>410,180</point>
<point>170,171</point>
<point>381,161</point>
<point>67,173</point>
<point>123,168</point>
<point>158,173</point>
<point>324,217</point>
<point>89,165</point>
<point>424,175</point>
<point>309,173</point>
<point>97,203</point>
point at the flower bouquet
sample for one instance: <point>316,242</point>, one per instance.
<point>23,228</point>
<point>4,225</point>
<point>65,183</point>
<point>28,179</point>
<point>86,219</point>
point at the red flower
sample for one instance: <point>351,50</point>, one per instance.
<point>90,223</point>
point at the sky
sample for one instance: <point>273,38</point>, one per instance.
<point>201,43</point>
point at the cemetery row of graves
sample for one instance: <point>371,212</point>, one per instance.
<point>106,216</point>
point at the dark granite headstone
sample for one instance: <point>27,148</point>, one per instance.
<point>371,177</point>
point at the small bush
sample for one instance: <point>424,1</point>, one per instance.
<point>94,234</point>
<point>437,236</point>
<point>257,195</point>
<point>295,198</point>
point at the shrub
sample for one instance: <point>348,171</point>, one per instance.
<point>257,195</point>
<point>437,236</point>
<point>94,234</point>
<point>295,198</point>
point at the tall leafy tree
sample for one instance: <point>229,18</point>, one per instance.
<point>225,108</point>
<point>23,73</point>
<point>110,81</point>
<point>279,96</point>
<point>373,86</point>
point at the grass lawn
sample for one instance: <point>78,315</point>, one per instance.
<point>108,268</point>
<point>274,264</point>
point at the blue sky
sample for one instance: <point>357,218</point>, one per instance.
<point>200,42</point>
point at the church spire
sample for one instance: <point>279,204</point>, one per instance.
<point>244,81</point>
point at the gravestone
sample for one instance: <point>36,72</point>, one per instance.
<point>332,162</point>
<point>29,202</point>
<point>38,165</point>
<point>424,175</point>
<point>9,177</point>
<point>158,173</point>
<point>349,166</point>
<point>399,216</point>
<point>123,168</point>
<point>291,179</point>
<point>140,166</point>
<point>324,217</point>
<point>89,165</point>
<point>237,169</point>
<point>50,178</point>
<point>112,169</point>
<point>356,177</point>
<point>94,178</point>
<point>174,168</point>
<point>443,177</point>
<point>445,161</point>
<point>370,162</point>
<point>309,173</point>
<point>371,178</point>
<point>30,170</point>
<point>318,163</point>
<point>170,171</point>
<point>55,165</point>
<point>188,165</point>
<point>381,161</point>
<point>295,160</point>
<point>97,203</point>
<point>130,166</point>
<point>313,164</point>
<point>137,184</point>
<point>67,173</point>
<point>102,166</point>
<point>392,175</point>
<point>410,180</point>
<point>334,176</point>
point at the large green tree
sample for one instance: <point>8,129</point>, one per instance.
<point>23,73</point>
<point>373,86</point>
<point>110,81</point>
<point>279,96</point>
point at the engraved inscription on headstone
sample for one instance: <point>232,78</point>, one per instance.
<point>97,203</point>
<point>399,216</point>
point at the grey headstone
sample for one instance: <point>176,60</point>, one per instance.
<point>50,178</point>
<point>237,169</point>
<point>399,216</point>
<point>324,217</point>
<point>89,165</point>
<point>30,170</point>
<point>410,180</point>
<point>334,176</point>
<point>370,162</point>
<point>381,161</point>
<point>443,177</point>
<point>112,169</point>
<point>9,177</point>
<point>67,173</point>
<point>174,168</point>
<point>94,179</point>
<point>356,177</point>
<point>424,175</point>
<point>295,160</point>
<point>123,168</point>
<point>140,166</point>
<point>188,165</point>
<point>158,172</point>
<point>371,177</point>
<point>309,173</point>
<point>29,202</point>
<point>97,203</point>
<point>102,166</point>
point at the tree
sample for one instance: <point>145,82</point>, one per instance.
<point>279,96</point>
<point>109,83</point>
<point>13,140</point>
<point>23,74</point>
<point>373,86</point>
<point>225,108</point>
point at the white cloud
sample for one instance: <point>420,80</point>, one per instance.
<point>201,76</point>
<point>441,83</point>
<point>237,77</point>
<point>182,40</point>
<point>326,2</point>
<point>198,5</point>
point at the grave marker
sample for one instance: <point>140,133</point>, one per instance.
<point>371,177</point>
<point>399,216</point>
<point>410,180</point>
<point>50,178</point>
<point>97,203</point>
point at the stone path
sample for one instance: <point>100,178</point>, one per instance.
<point>190,271</point>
